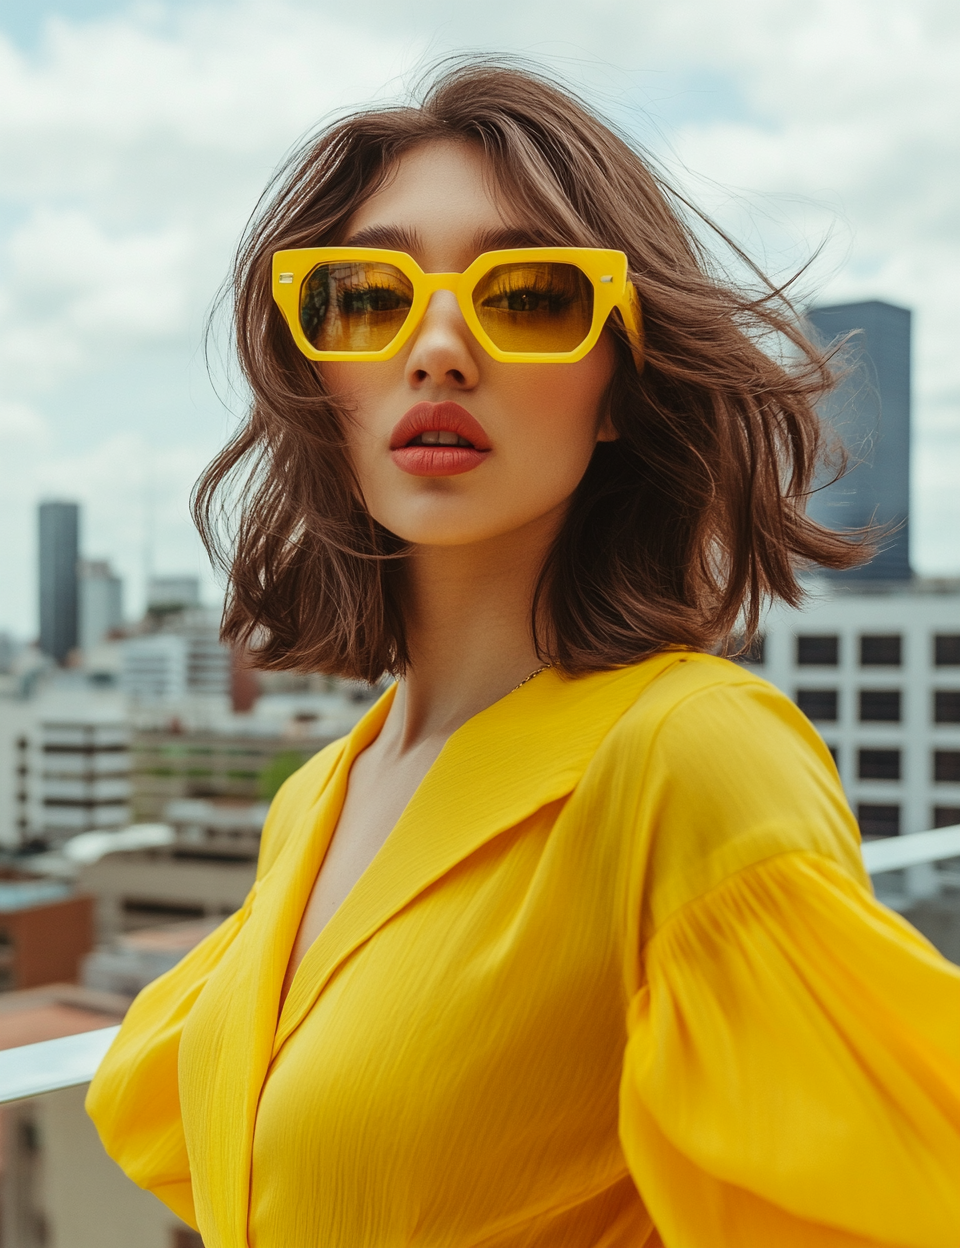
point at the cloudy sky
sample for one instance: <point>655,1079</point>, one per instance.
<point>135,138</point>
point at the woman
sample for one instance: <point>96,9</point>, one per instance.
<point>569,942</point>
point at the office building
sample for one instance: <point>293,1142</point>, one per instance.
<point>17,802</point>
<point>64,766</point>
<point>172,665</point>
<point>870,411</point>
<point>140,888</point>
<point>8,652</point>
<point>167,766</point>
<point>173,593</point>
<point>879,676</point>
<point>59,553</point>
<point>46,930</point>
<point>101,603</point>
<point>58,1188</point>
<point>84,774</point>
<point>873,658</point>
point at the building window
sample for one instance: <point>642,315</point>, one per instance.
<point>946,650</point>
<point>834,754</point>
<point>817,651</point>
<point>946,766</point>
<point>878,765</point>
<point>877,820</point>
<point>880,706</point>
<point>880,651</point>
<point>818,704</point>
<point>946,816</point>
<point>946,706</point>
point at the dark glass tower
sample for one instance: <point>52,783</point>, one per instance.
<point>871,413</point>
<point>59,583</point>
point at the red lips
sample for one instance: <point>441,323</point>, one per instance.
<point>435,460</point>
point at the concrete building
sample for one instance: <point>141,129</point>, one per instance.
<point>18,796</point>
<point>166,766</point>
<point>46,930</point>
<point>58,1188</point>
<point>84,769</point>
<point>879,675</point>
<point>184,660</point>
<point>166,593</point>
<point>870,411</point>
<point>64,766</point>
<point>143,888</point>
<point>873,658</point>
<point>136,958</point>
<point>59,553</point>
<point>9,648</point>
<point>101,603</point>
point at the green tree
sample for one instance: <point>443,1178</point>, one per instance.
<point>280,768</point>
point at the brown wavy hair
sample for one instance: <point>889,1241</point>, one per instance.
<point>679,530</point>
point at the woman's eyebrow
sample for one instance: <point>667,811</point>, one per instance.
<point>503,238</point>
<point>392,237</point>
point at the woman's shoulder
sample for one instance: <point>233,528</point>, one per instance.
<point>721,770</point>
<point>702,700</point>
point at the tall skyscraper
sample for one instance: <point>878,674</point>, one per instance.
<point>870,411</point>
<point>59,591</point>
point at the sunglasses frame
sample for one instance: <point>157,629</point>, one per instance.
<point>606,270</point>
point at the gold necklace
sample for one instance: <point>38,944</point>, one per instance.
<point>531,676</point>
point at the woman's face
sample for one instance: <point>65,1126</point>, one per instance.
<point>538,423</point>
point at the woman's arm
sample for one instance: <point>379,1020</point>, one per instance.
<point>792,1075</point>
<point>134,1098</point>
<point>793,1070</point>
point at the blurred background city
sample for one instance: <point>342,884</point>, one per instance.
<point>138,754</point>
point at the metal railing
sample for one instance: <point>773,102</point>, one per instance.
<point>34,1069</point>
<point>904,868</point>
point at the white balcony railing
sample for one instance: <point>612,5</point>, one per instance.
<point>52,1064</point>
<point>37,1068</point>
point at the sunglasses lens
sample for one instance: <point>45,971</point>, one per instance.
<point>538,308</point>
<point>354,305</point>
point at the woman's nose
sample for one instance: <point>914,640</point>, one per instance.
<point>444,350</point>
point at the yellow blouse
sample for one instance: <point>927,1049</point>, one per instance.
<point>615,978</point>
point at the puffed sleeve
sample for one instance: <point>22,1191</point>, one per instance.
<point>134,1098</point>
<point>791,1076</point>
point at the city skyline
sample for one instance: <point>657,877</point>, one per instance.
<point>135,140</point>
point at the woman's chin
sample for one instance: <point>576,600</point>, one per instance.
<point>453,529</point>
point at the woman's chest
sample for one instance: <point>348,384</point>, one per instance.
<point>481,1030</point>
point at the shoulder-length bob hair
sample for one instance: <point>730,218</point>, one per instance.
<point>679,530</point>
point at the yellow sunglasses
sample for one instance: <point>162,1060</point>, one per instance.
<point>535,305</point>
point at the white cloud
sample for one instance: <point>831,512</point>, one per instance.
<point>77,292</point>
<point>137,150</point>
<point>133,148</point>
<point>22,424</point>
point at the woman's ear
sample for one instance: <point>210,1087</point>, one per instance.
<point>606,430</point>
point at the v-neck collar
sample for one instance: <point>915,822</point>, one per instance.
<point>492,773</point>
<point>527,750</point>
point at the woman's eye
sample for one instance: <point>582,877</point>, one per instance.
<point>373,299</point>
<point>527,301</point>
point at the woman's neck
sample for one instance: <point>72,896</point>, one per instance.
<point>468,630</point>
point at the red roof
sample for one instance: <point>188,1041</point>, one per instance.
<point>53,1011</point>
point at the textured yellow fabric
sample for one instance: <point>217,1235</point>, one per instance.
<point>615,978</point>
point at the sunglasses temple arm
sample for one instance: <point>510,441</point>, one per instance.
<point>633,322</point>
